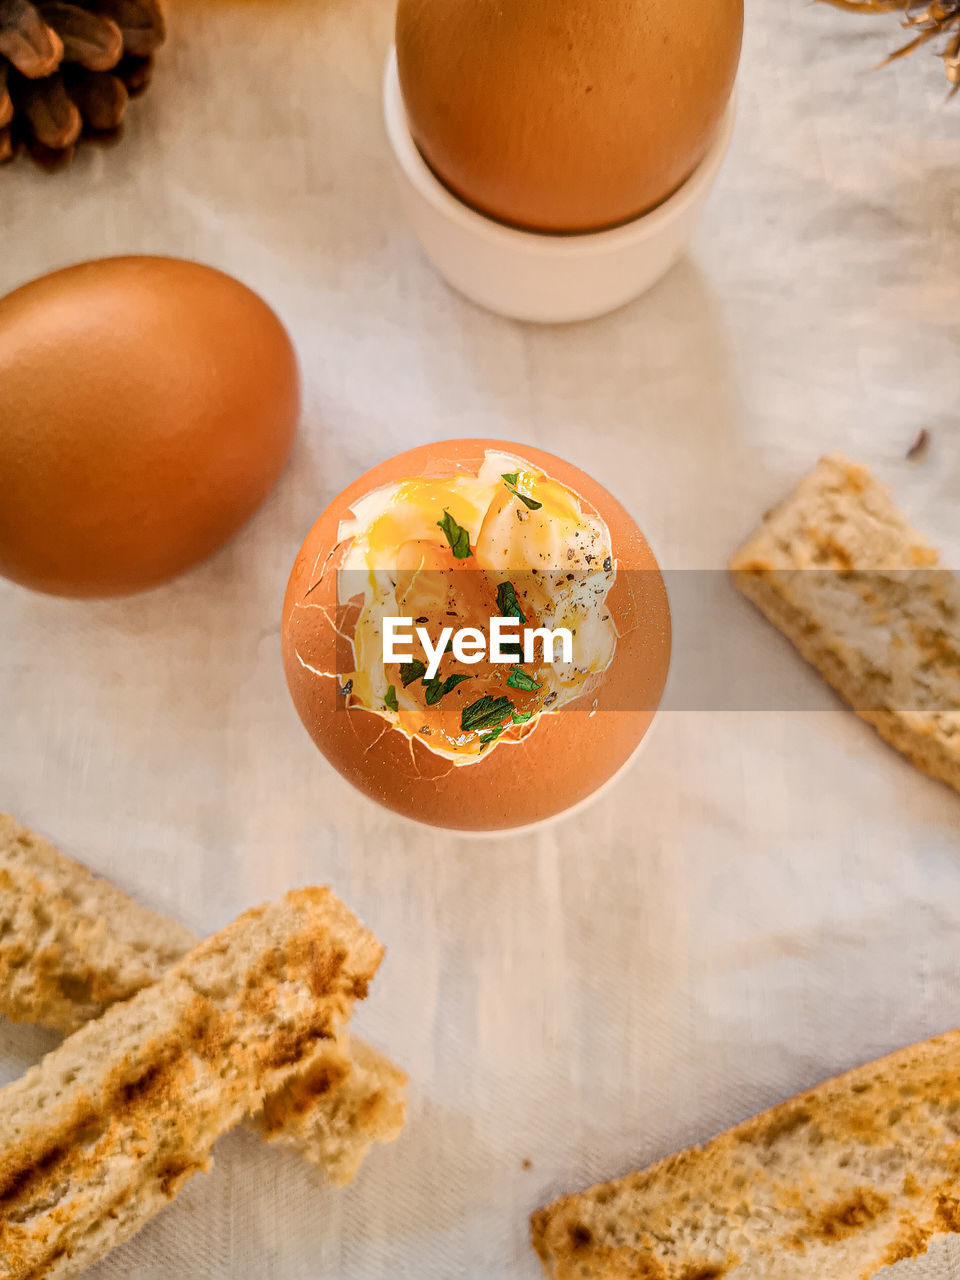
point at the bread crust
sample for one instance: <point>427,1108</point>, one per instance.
<point>866,601</point>
<point>72,945</point>
<point>854,1175</point>
<point>109,1126</point>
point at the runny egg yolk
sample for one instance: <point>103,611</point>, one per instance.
<point>455,552</point>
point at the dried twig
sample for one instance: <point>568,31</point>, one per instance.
<point>927,20</point>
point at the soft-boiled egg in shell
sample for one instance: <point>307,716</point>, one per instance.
<point>449,537</point>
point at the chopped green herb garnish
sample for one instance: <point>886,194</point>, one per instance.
<point>532,503</point>
<point>452,681</point>
<point>456,535</point>
<point>507,602</point>
<point>492,736</point>
<point>513,479</point>
<point>410,671</point>
<point>519,679</point>
<point>486,713</point>
<point>521,717</point>
<point>390,698</point>
<point>437,688</point>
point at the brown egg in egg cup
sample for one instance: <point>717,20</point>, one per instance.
<point>436,538</point>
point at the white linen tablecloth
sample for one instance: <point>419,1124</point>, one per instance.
<point>766,898</point>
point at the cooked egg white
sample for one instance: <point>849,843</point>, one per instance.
<point>399,562</point>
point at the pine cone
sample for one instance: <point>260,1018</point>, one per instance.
<point>69,66</point>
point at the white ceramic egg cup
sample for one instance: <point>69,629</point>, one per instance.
<point>526,275</point>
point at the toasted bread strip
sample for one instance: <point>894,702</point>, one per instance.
<point>863,596</point>
<point>112,1123</point>
<point>71,945</point>
<point>861,1172</point>
<point>334,1114</point>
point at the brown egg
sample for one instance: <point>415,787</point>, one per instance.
<point>566,115</point>
<point>149,406</point>
<point>380,725</point>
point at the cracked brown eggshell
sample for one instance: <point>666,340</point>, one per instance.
<point>566,115</point>
<point>148,407</point>
<point>564,759</point>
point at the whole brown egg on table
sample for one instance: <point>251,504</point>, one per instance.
<point>566,115</point>
<point>149,405</point>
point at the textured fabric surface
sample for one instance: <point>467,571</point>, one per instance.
<point>766,898</point>
<point>941,1263</point>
